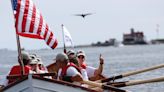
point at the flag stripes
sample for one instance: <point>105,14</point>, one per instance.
<point>30,23</point>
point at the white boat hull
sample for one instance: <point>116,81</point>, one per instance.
<point>34,84</point>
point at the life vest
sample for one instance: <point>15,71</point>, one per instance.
<point>64,70</point>
<point>16,71</point>
<point>83,65</point>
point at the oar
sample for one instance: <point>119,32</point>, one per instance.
<point>39,74</point>
<point>137,82</point>
<point>103,86</point>
<point>131,73</point>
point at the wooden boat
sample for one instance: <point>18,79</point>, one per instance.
<point>33,83</point>
<point>52,68</point>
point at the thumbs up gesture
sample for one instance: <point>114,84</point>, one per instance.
<point>101,59</point>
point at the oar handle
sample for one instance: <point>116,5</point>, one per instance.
<point>136,82</point>
<point>103,86</point>
<point>132,73</point>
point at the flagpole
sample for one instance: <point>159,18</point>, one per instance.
<point>19,50</point>
<point>65,51</point>
<point>20,60</point>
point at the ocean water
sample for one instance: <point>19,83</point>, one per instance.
<point>118,60</point>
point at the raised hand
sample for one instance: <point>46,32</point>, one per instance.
<point>101,59</point>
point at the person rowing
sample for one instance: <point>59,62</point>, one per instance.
<point>92,72</point>
<point>68,71</point>
<point>72,57</point>
<point>37,64</point>
<point>71,54</point>
<point>15,70</point>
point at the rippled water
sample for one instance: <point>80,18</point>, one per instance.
<point>117,60</point>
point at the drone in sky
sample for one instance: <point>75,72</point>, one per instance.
<point>83,15</point>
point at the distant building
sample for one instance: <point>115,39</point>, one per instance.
<point>110,42</point>
<point>134,38</point>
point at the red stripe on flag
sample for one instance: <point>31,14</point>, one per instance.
<point>50,38</point>
<point>25,15</point>
<point>55,44</point>
<point>40,25</point>
<point>30,35</point>
<point>46,31</point>
<point>33,20</point>
<point>17,14</point>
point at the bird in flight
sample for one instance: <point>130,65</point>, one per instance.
<point>83,14</point>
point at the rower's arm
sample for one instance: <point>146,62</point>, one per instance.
<point>99,70</point>
<point>77,78</point>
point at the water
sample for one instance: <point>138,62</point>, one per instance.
<point>117,60</point>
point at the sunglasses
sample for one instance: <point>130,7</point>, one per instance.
<point>81,57</point>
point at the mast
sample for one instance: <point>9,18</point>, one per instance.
<point>19,49</point>
<point>65,51</point>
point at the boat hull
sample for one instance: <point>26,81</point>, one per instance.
<point>37,84</point>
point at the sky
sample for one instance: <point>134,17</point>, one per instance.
<point>110,19</point>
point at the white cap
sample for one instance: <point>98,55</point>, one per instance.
<point>39,60</point>
<point>80,53</point>
<point>33,59</point>
<point>70,52</point>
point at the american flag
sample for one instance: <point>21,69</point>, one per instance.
<point>30,23</point>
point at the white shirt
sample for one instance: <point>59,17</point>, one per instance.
<point>71,71</point>
<point>90,71</point>
<point>84,74</point>
<point>59,73</point>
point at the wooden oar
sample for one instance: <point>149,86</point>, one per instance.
<point>103,86</point>
<point>137,82</point>
<point>39,74</point>
<point>131,73</point>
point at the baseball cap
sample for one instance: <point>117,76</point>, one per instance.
<point>80,53</point>
<point>33,59</point>
<point>70,52</point>
<point>39,60</point>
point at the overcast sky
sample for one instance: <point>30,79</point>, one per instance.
<point>111,19</point>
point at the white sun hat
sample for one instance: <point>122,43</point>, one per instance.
<point>80,53</point>
<point>39,60</point>
<point>33,59</point>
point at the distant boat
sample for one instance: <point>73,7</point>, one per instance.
<point>134,38</point>
<point>110,42</point>
<point>157,41</point>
